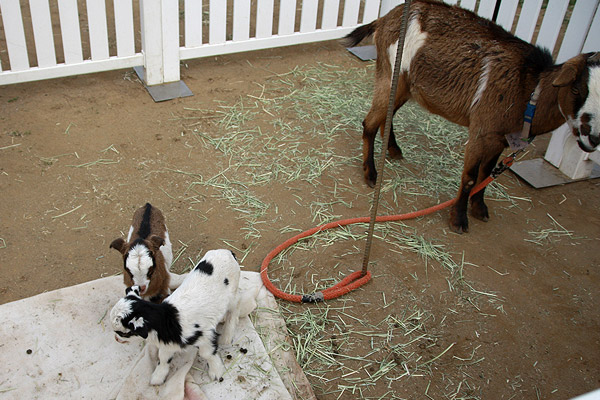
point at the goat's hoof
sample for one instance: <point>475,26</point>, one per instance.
<point>216,373</point>
<point>395,154</point>
<point>459,227</point>
<point>480,212</point>
<point>371,180</point>
<point>157,380</point>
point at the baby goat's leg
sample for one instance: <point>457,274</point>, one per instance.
<point>207,349</point>
<point>229,326</point>
<point>165,354</point>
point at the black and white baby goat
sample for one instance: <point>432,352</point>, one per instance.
<point>188,317</point>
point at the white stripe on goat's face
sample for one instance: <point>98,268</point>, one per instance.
<point>588,117</point>
<point>138,263</point>
<point>414,40</point>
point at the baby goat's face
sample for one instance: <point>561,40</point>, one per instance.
<point>140,266</point>
<point>123,319</point>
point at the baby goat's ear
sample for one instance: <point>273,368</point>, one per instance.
<point>138,327</point>
<point>119,245</point>
<point>157,241</point>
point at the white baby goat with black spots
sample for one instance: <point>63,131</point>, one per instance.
<point>188,317</point>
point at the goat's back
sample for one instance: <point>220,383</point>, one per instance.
<point>451,55</point>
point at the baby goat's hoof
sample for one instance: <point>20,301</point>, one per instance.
<point>216,372</point>
<point>157,380</point>
<point>458,225</point>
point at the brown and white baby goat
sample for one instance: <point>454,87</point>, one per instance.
<point>147,254</point>
<point>474,73</point>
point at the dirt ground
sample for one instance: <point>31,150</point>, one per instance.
<point>79,155</point>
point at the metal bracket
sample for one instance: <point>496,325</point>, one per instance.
<point>166,91</point>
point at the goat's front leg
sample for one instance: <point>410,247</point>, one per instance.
<point>479,209</point>
<point>459,221</point>
<point>207,349</point>
<point>165,355</point>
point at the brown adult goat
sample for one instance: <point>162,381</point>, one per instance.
<point>474,73</point>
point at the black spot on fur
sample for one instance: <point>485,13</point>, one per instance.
<point>194,338</point>
<point>215,341</point>
<point>169,360</point>
<point>196,326</point>
<point>162,318</point>
<point>144,230</point>
<point>229,357</point>
<point>243,350</point>
<point>204,267</point>
<point>226,281</point>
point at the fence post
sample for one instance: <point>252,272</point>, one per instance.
<point>160,41</point>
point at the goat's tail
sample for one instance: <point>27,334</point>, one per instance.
<point>360,33</point>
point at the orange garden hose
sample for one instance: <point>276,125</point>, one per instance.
<point>355,279</point>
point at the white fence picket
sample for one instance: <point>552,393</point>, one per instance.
<point>528,19</point>
<point>506,13</point>
<point>550,28</point>
<point>592,43</point>
<point>42,33</point>
<point>468,4</point>
<point>15,35</point>
<point>287,17</point>
<point>331,10</point>
<point>308,18</point>
<point>96,11</point>
<point>241,20</point>
<point>351,11</point>
<point>193,23</point>
<point>371,11</point>
<point>69,27</point>
<point>486,8</point>
<point>161,51</point>
<point>217,22</point>
<point>124,28</point>
<point>577,30</point>
<point>264,18</point>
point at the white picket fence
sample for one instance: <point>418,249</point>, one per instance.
<point>44,39</point>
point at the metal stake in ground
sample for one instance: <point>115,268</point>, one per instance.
<point>386,136</point>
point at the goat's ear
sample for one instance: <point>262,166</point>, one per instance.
<point>157,241</point>
<point>119,245</point>
<point>569,71</point>
<point>142,332</point>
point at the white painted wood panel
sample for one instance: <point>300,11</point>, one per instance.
<point>98,30</point>
<point>287,17</point>
<point>192,23</point>
<point>351,11</point>
<point>217,30</point>
<point>468,4</point>
<point>371,12</point>
<point>241,20</point>
<point>308,16</point>
<point>553,19</point>
<point>506,13</point>
<point>42,33</point>
<point>15,34</point>
<point>575,36</point>
<point>528,19</point>
<point>264,18</point>
<point>71,34</point>
<point>124,28</point>
<point>170,40</point>
<point>486,8</point>
<point>331,9</point>
<point>592,42</point>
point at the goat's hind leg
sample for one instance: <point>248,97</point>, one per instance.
<point>165,355</point>
<point>229,325</point>
<point>375,120</point>
<point>459,221</point>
